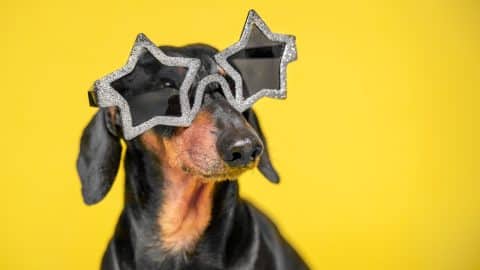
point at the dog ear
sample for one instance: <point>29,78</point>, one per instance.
<point>99,157</point>
<point>265,165</point>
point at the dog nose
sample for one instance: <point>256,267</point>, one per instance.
<point>239,151</point>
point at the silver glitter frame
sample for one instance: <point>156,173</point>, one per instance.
<point>107,96</point>
<point>289,55</point>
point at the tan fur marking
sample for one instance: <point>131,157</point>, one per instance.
<point>186,211</point>
<point>187,197</point>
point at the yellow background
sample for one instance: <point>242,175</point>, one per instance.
<point>377,143</point>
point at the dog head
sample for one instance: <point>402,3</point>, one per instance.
<point>220,144</point>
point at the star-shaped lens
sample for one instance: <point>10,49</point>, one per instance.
<point>141,109</point>
<point>257,63</point>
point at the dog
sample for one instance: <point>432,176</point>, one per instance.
<point>182,208</point>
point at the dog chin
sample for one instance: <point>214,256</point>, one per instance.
<point>228,174</point>
<point>220,177</point>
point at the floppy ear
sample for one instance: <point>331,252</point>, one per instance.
<point>99,157</point>
<point>265,165</point>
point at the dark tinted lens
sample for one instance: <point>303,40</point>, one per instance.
<point>165,102</point>
<point>151,89</point>
<point>258,63</point>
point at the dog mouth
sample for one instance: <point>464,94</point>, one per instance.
<point>226,173</point>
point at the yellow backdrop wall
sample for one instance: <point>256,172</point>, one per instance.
<point>377,143</point>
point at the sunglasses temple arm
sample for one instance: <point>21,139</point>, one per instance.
<point>92,98</point>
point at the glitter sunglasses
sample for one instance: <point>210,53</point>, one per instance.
<point>255,65</point>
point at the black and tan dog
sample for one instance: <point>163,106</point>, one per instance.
<point>178,212</point>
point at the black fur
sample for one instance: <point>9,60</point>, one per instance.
<point>98,160</point>
<point>239,236</point>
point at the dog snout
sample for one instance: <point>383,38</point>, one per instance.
<point>239,149</point>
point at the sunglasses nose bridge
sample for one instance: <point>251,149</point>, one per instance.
<point>212,81</point>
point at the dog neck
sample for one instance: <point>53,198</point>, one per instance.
<point>172,214</point>
<point>185,211</point>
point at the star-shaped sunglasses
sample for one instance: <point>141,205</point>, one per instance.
<point>256,64</point>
